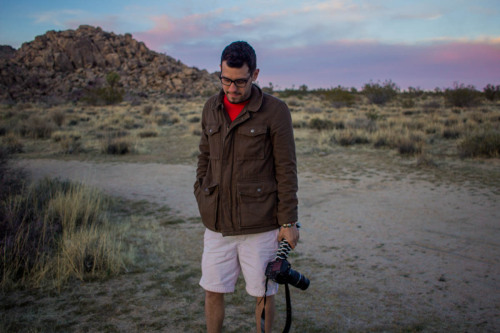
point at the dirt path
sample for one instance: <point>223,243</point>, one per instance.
<point>379,251</point>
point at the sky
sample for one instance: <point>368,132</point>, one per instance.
<point>321,44</point>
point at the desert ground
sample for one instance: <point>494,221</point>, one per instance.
<point>389,245</point>
<point>384,250</point>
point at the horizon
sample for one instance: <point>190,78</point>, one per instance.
<point>320,44</point>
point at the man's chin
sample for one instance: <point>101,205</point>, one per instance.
<point>234,99</point>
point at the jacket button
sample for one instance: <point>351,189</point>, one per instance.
<point>259,190</point>
<point>206,189</point>
<point>210,130</point>
<point>252,131</point>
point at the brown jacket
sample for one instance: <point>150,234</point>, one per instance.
<point>247,171</point>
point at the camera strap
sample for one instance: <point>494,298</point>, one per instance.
<point>288,322</point>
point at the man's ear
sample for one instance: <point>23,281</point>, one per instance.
<point>255,74</point>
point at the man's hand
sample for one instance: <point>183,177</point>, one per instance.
<point>290,234</point>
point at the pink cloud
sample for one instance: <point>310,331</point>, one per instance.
<point>169,30</point>
<point>197,40</point>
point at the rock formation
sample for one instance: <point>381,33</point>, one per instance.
<point>63,65</point>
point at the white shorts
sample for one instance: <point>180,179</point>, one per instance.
<point>224,258</point>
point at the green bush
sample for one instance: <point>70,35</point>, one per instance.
<point>321,124</point>
<point>108,95</point>
<point>462,96</point>
<point>486,144</point>
<point>338,97</point>
<point>348,138</point>
<point>380,94</point>
<point>409,147</point>
<point>116,146</point>
<point>491,92</point>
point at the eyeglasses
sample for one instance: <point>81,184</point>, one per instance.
<point>240,83</point>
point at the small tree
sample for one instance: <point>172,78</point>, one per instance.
<point>491,92</point>
<point>108,95</point>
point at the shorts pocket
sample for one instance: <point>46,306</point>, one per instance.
<point>208,200</point>
<point>257,203</point>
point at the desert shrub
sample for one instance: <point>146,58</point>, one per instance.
<point>116,146</point>
<point>131,123</point>
<point>58,117</point>
<point>299,93</point>
<point>451,133</point>
<point>485,143</point>
<point>431,106</point>
<point>147,109</point>
<point>195,119</point>
<point>299,123</point>
<point>462,96</point>
<point>37,127</point>
<point>380,94</point>
<point>107,95</point>
<point>492,92</point>
<point>12,145</point>
<point>408,103</point>
<point>54,231</point>
<point>148,134</point>
<point>350,137</point>
<point>338,97</point>
<point>321,124</point>
<point>71,145</point>
<point>409,146</point>
<point>368,124</point>
<point>11,180</point>
<point>313,110</point>
<point>163,119</point>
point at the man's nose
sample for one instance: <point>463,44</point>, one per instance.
<point>233,86</point>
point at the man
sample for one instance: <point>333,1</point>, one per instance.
<point>246,186</point>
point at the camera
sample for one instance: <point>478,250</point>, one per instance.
<point>280,271</point>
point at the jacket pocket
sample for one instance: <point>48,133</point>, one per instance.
<point>208,200</point>
<point>214,140</point>
<point>251,142</point>
<point>257,204</point>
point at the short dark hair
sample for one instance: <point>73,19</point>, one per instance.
<point>239,53</point>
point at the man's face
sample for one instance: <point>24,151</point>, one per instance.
<point>234,93</point>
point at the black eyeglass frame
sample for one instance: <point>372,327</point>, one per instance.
<point>240,83</point>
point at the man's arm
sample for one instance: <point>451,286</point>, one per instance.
<point>203,157</point>
<point>286,174</point>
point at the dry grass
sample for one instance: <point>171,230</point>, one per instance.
<point>93,131</point>
<point>54,231</point>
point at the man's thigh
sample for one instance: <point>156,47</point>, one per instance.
<point>255,252</point>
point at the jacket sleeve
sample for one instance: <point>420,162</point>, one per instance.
<point>285,164</point>
<point>203,157</point>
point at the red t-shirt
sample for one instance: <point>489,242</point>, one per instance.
<point>233,110</point>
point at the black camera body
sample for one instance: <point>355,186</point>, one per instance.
<point>280,271</point>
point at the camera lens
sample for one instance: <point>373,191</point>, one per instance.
<point>298,280</point>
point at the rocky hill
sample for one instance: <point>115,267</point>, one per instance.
<point>64,65</point>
